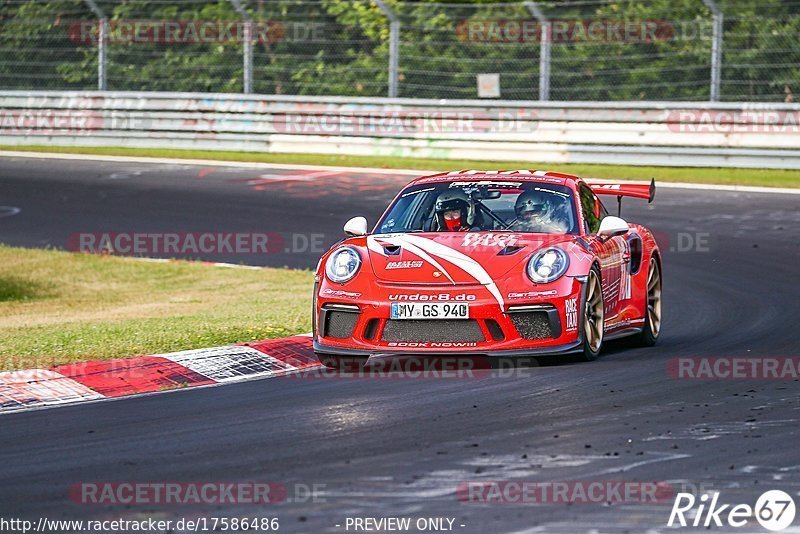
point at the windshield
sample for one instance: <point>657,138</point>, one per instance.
<point>482,206</point>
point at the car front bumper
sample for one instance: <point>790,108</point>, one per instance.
<point>545,321</point>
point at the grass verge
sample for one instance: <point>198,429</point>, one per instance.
<point>60,307</point>
<point>721,176</point>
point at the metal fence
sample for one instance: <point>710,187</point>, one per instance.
<point>690,50</point>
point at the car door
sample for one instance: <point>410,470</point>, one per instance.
<point>614,255</point>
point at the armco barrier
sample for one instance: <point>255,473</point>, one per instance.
<point>631,133</point>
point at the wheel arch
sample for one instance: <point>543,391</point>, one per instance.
<point>656,253</point>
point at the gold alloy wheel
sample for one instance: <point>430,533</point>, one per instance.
<point>593,316</point>
<point>654,298</point>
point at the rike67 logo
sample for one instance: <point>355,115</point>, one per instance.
<point>774,510</point>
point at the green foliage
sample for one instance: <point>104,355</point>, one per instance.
<point>35,50</point>
<point>341,47</point>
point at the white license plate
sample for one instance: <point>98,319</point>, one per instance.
<point>430,310</point>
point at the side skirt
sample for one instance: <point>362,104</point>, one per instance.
<point>624,332</point>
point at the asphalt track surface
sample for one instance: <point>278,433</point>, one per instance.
<point>399,447</point>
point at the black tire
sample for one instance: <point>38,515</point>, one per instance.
<point>593,317</point>
<point>345,364</point>
<point>652,321</point>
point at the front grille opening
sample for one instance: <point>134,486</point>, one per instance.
<point>371,329</point>
<point>435,330</point>
<point>532,325</point>
<point>495,330</point>
<point>340,324</point>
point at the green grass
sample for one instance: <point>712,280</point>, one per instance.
<point>724,176</point>
<point>60,307</point>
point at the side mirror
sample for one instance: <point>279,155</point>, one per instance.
<point>612,226</point>
<point>357,226</point>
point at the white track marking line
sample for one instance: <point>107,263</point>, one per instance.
<point>9,211</point>
<point>734,188</point>
<point>363,170</point>
<point>210,163</point>
<point>199,262</point>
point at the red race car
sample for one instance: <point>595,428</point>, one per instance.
<point>490,263</point>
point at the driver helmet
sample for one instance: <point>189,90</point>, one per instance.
<point>454,210</point>
<point>532,205</point>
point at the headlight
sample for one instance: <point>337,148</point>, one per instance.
<point>548,265</point>
<point>343,265</point>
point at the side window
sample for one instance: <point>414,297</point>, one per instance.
<point>601,208</point>
<point>593,210</point>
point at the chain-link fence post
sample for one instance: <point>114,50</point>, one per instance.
<point>248,45</point>
<point>102,43</point>
<point>544,49</point>
<point>394,46</point>
<point>716,48</point>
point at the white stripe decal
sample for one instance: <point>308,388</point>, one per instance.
<point>372,244</point>
<point>397,241</point>
<point>460,260</point>
<point>422,247</point>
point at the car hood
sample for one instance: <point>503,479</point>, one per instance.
<point>446,258</point>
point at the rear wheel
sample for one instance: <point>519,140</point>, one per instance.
<point>593,317</point>
<point>345,364</point>
<point>652,319</point>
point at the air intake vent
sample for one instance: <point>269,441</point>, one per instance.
<point>371,329</point>
<point>433,331</point>
<point>532,325</point>
<point>340,324</point>
<point>495,330</point>
<point>509,250</point>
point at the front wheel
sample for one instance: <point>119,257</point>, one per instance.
<point>345,364</point>
<point>593,318</point>
<point>652,319</point>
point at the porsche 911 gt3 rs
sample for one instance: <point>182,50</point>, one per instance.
<point>492,263</point>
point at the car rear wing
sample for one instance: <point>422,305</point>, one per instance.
<point>620,190</point>
<point>647,191</point>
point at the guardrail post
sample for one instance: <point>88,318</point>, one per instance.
<point>544,49</point>
<point>394,46</point>
<point>248,45</point>
<point>102,43</point>
<point>716,48</point>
